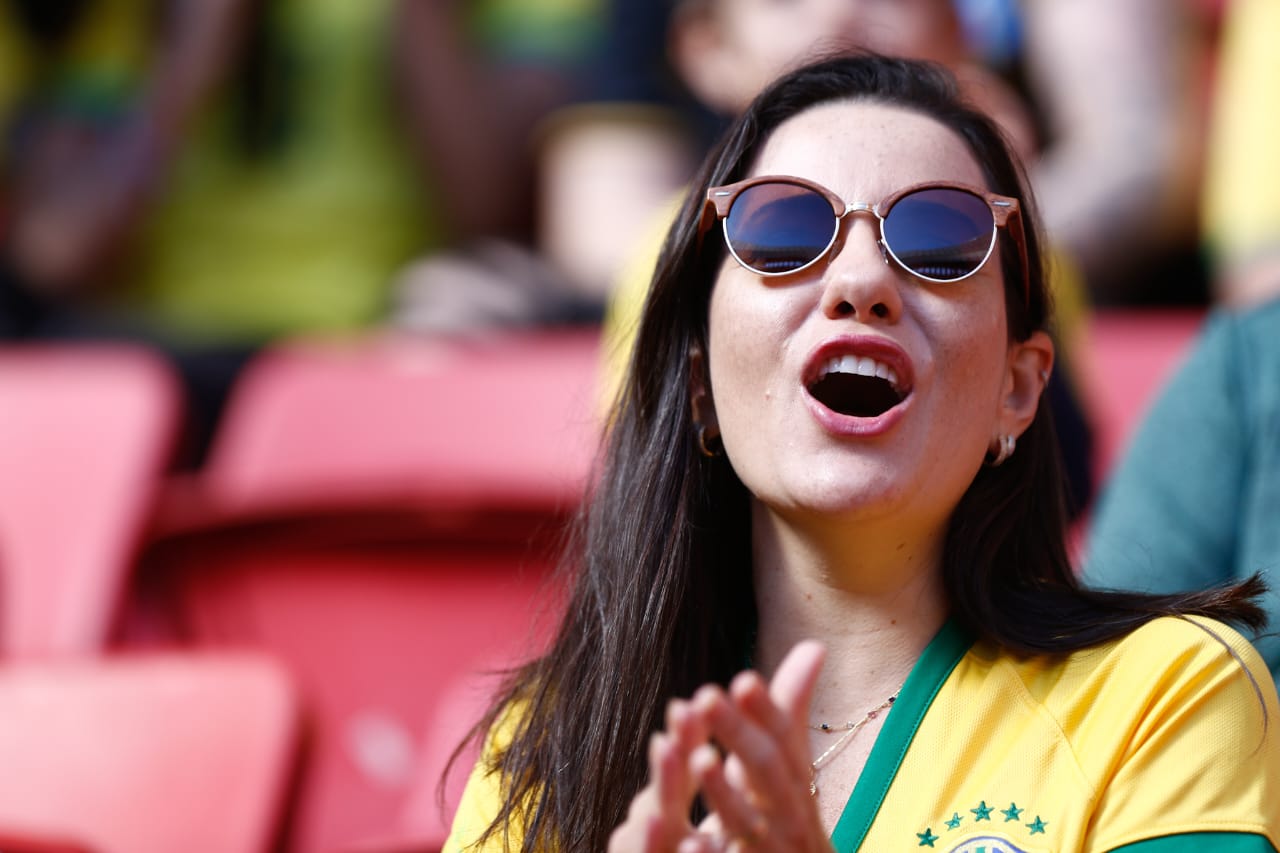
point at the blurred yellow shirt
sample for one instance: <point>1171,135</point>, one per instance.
<point>1242,181</point>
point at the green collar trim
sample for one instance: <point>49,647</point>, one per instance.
<point>922,685</point>
<point>1192,842</point>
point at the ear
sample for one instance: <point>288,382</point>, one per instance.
<point>1030,363</point>
<point>704,407</point>
<point>703,57</point>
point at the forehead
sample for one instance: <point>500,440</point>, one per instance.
<point>864,150</point>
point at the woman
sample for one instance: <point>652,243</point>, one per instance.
<point>832,431</point>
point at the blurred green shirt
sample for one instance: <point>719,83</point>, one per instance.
<point>301,228</point>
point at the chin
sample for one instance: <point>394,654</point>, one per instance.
<point>844,494</point>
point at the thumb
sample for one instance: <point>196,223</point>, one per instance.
<point>793,684</point>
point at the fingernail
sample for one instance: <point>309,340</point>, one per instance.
<point>704,758</point>
<point>744,681</point>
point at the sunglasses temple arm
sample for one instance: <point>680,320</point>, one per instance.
<point>1020,239</point>
<point>706,221</point>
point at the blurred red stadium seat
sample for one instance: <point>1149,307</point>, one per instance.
<point>438,786</point>
<point>424,821</point>
<point>39,844</point>
<point>393,420</point>
<point>1128,355</point>
<point>85,432</point>
<point>372,633</point>
<point>147,754</point>
<point>382,516</point>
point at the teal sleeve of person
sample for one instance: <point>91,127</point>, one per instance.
<point>1195,501</point>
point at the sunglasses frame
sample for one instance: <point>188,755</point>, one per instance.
<point>1006,213</point>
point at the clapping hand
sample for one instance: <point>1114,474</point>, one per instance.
<point>757,791</point>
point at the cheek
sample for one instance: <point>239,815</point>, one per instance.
<point>733,352</point>
<point>747,337</point>
<point>972,367</point>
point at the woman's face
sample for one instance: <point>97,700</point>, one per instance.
<point>769,339</point>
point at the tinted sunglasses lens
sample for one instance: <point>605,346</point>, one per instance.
<point>778,228</point>
<point>942,234</point>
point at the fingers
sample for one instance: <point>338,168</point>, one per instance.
<point>644,830</point>
<point>701,844</point>
<point>668,773</point>
<point>758,795</point>
<point>792,691</point>
<point>766,726</point>
<point>755,700</point>
<point>688,727</point>
<point>764,764</point>
<point>731,807</point>
<point>760,791</point>
<point>793,684</point>
<point>658,818</point>
<point>756,734</point>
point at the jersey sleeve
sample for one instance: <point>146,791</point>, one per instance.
<point>1195,720</point>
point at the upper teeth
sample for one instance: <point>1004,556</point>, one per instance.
<point>859,366</point>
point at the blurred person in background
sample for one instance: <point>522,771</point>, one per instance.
<point>1115,94</point>
<point>212,176</point>
<point>722,52</point>
<point>1241,222</point>
<point>1121,90</point>
<point>1195,501</point>
<point>672,73</point>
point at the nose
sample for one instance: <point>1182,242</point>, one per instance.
<point>859,281</point>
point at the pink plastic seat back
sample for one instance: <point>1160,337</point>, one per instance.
<point>508,422</point>
<point>381,515</point>
<point>148,755</point>
<point>85,433</point>
<point>438,785</point>
<point>373,631</point>
<point>40,844</point>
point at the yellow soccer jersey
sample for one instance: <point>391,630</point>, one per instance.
<point>1155,743</point>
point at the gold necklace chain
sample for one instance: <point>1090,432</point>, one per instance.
<point>850,729</point>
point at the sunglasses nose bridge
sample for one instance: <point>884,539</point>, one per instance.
<point>862,207</point>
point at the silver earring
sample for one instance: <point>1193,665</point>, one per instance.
<point>1006,445</point>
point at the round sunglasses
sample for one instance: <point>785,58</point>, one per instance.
<point>939,231</point>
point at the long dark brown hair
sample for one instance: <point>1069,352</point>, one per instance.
<point>661,596</point>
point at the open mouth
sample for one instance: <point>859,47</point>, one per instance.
<point>857,386</point>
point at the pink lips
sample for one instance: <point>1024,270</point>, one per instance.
<point>869,346</point>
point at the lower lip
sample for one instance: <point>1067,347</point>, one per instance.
<point>850,425</point>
